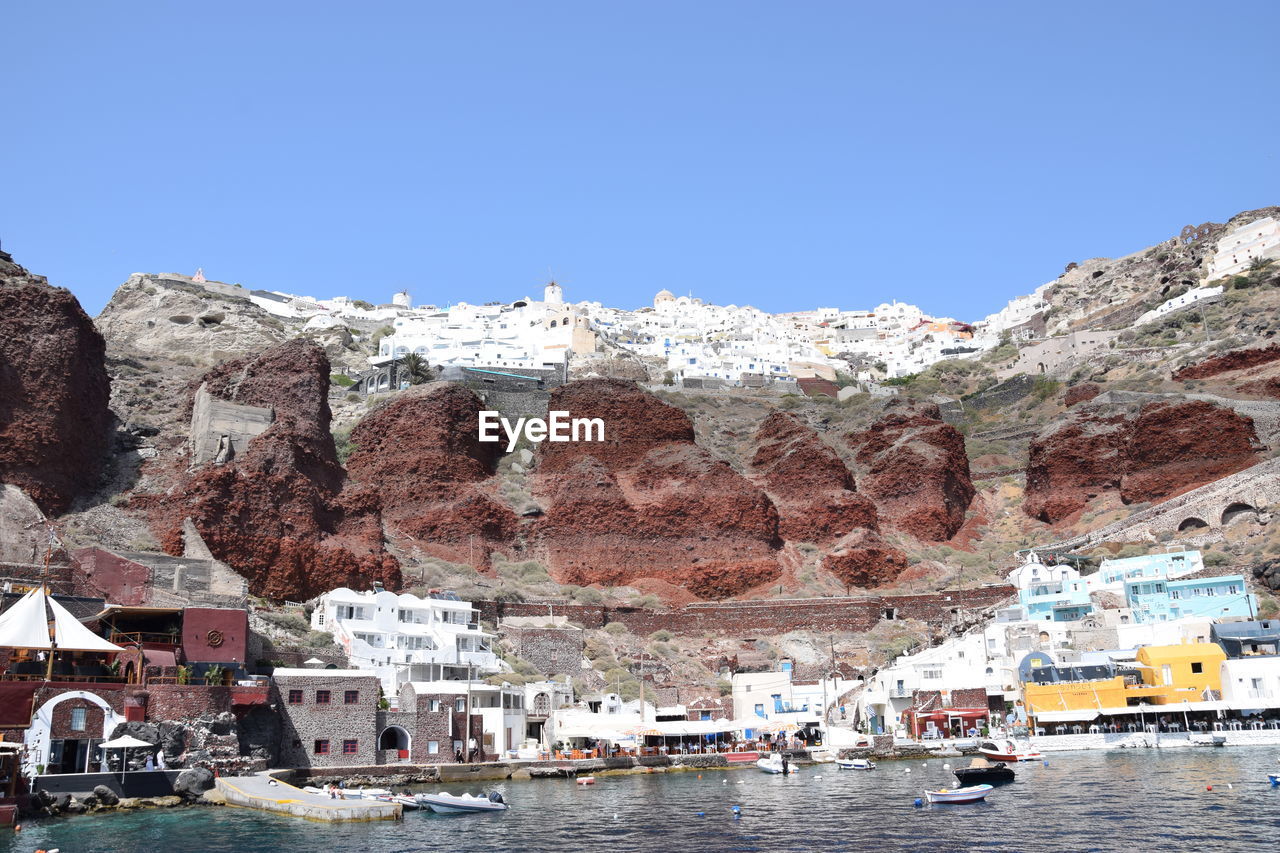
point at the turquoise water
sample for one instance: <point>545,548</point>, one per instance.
<point>1140,801</point>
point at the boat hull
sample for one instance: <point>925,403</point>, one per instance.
<point>448,804</point>
<point>998,775</point>
<point>972,794</point>
<point>856,764</point>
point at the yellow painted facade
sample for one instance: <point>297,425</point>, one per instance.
<point>1170,674</point>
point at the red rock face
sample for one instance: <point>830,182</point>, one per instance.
<point>1269,387</point>
<point>1073,461</point>
<point>808,483</point>
<point>864,559</point>
<point>281,513</point>
<point>1081,393</point>
<point>422,453</point>
<point>916,470</point>
<point>648,502</point>
<point>1234,360</point>
<point>1179,446</point>
<point>54,392</point>
<point>1162,451</point>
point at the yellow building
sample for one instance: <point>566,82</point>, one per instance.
<point>1182,673</point>
<point>1190,672</point>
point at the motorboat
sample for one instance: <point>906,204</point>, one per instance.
<point>856,764</point>
<point>1274,778</point>
<point>1008,750</point>
<point>969,794</point>
<point>365,793</point>
<point>444,803</point>
<point>981,771</point>
<point>775,763</point>
<point>822,755</point>
<point>409,801</point>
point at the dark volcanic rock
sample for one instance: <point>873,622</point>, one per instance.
<point>54,392</point>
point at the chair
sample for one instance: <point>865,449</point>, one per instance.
<point>1175,727</point>
<point>1132,727</point>
<point>1217,727</point>
<point>1075,730</point>
<point>1256,725</point>
<point>1235,725</point>
<point>1093,730</point>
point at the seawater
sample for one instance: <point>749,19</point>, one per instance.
<point>1140,800</point>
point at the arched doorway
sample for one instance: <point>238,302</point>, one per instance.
<point>395,737</point>
<point>1192,523</point>
<point>1235,510</point>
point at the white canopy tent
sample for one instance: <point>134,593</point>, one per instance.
<point>26,626</point>
<point>125,742</point>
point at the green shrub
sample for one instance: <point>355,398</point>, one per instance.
<point>341,380</point>
<point>660,636</point>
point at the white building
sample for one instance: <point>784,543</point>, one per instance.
<point>775,696</point>
<point>402,637</point>
<point>1177,303</point>
<point>1258,239</point>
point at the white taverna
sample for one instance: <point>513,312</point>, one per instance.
<point>404,638</point>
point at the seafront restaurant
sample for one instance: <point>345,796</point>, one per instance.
<point>596,738</point>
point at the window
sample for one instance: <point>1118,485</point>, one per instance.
<point>322,697</point>
<point>322,747</point>
<point>78,719</point>
<point>932,674</point>
<point>435,705</point>
<point>350,747</point>
<point>351,697</point>
<point>295,697</point>
<point>1197,667</point>
<point>460,705</point>
<point>433,747</point>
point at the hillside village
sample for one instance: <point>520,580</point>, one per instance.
<point>267,534</point>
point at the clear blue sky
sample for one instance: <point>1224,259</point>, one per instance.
<point>786,155</point>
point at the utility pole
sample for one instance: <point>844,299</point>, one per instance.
<point>467,743</point>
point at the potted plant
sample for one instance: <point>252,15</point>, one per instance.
<point>214,674</point>
<point>184,674</point>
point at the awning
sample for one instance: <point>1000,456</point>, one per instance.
<point>25,625</point>
<point>124,742</point>
<point>71,636</point>
<point>1082,715</point>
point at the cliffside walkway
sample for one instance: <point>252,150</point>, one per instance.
<point>263,791</point>
<point>1206,509</point>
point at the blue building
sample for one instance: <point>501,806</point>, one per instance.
<point>1248,639</point>
<point>1050,593</point>
<point>1158,599</point>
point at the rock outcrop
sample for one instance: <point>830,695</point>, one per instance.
<point>915,469</point>
<point>647,501</point>
<point>282,512</point>
<point>864,559</point>
<point>809,483</point>
<point>422,453</point>
<point>1235,360</point>
<point>1159,451</point>
<point>1082,393</point>
<point>55,419</point>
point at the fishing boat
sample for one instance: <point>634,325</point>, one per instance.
<point>774,763</point>
<point>1008,750</point>
<point>856,764</point>
<point>981,771</point>
<point>970,794</point>
<point>462,803</point>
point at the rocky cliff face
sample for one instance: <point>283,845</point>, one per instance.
<point>810,485</point>
<point>1235,360</point>
<point>54,392</point>
<point>421,453</point>
<point>648,501</point>
<point>915,468</point>
<point>1154,453</point>
<point>281,513</point>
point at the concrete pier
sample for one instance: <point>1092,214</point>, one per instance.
<point>264,792</point>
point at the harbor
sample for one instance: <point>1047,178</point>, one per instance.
<point>1198,799</point>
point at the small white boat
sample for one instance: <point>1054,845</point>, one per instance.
<point>856,764</point>
<point>409,801</point>
<point>464,803</point>
<point>971,794</point>
<point>822,755</point>
<point>586,780</point>
<point>774,764</point>
<point>1008,750</point>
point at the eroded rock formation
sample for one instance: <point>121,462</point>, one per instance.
<point>1152,454</point>
<point>282,512</point>
<point>1235,360</point>
<point>422,453</point>
<point>54,392</point>
<point>864,559</point>
<point>915,469</point>
<point>809,483</point>
<point>648,501</point>
<point>1082,393</point>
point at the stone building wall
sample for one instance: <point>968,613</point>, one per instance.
<point>308,721</point>
<point>186,701</point>
<point>62,720</point>
<point>552,651</point>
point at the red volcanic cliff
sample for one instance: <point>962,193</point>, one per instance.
<point>863,559</point>
<point>809,484</point>
<point>1161,451</point>
<point>1073,461</point>
<point>1178,446</point>
<point>647,501</point>
<point>422,453</point>
<point>281,513</point>
<point>915,469</point>
<point>54,391</point>
<point>1234,360</point>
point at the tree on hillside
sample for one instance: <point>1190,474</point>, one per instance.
<point>415,368</point>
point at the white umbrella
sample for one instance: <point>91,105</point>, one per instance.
<point>125,742</point>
